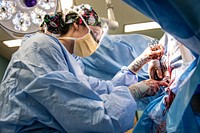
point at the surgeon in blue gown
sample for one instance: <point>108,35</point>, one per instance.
<point>45,90</point>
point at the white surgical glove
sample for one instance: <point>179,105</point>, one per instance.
<point>150,53</point>
<point>157,69</point>
<point>146,88</point>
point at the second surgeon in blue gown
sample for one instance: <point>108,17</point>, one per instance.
<point>45,90</point>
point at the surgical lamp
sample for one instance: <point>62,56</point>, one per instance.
<point>24,16</point>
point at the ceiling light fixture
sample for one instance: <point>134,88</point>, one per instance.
<point>24,16</point>
<point>13,43</point>
<point>141,26</point>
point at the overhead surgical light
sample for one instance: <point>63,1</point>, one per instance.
<point>141,26</point>
<point>111,22</point>
<point>24,16</point>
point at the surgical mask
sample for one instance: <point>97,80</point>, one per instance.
<point>84,46</point>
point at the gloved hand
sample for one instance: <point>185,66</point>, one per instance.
<point>154,70</point>
<point>146,88</point>
<point>157,69</point>
<point>150,53</point>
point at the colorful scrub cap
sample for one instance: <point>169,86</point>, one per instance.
<point>57,23</point>
<point>88,14</point>
<point>54,23</point>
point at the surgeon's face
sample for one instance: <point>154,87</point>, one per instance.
<point>95,31</point>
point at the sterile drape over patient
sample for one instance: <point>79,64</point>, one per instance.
<point>181,20</point>
<point>181,64</point>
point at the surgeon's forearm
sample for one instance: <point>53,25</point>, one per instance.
<point>141,89</point>
<point>137,64</point>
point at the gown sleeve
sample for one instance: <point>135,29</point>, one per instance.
<point>79,109</point>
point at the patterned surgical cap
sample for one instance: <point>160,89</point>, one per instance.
<point>88,14</point>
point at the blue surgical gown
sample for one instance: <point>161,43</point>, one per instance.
<point>45,90</point>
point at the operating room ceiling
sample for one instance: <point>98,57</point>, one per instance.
<point>124,14</point>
